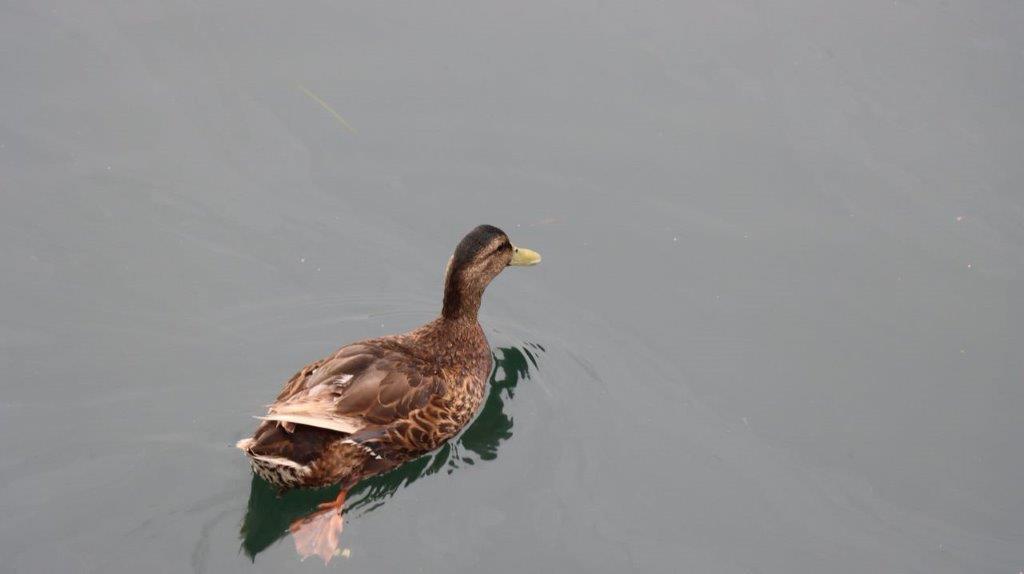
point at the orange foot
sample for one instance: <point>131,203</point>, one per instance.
<point>318,532</point>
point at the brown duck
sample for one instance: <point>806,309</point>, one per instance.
<point>374,404</point>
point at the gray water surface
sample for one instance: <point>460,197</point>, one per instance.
<point>778,327</point>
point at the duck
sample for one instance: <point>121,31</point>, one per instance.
<point>377,403</point>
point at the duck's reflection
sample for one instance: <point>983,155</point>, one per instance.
<point>269,516</point>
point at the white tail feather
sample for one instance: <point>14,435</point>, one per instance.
<point>346,425</point>
<point>280,461</point>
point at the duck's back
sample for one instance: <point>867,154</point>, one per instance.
<point>370,406</point>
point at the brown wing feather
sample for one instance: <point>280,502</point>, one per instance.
<point>361,385</point>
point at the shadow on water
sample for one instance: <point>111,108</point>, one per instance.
<point>268,515</point>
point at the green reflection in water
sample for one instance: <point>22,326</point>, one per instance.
<point>269,515</point>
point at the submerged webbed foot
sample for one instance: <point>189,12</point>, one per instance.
<point>318,533</point>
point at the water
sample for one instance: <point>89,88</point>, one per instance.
<point>777,327</point>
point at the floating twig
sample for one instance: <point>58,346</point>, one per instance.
<point>327,107</point>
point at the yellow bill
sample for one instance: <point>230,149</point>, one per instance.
<point>523,257</point>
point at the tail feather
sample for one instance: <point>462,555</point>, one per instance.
<point>287,458</point>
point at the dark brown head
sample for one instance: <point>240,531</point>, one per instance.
<point>480,256</point>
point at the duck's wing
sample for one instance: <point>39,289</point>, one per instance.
<point>361,385</point>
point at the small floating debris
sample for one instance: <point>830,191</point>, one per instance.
<point>327,107</point>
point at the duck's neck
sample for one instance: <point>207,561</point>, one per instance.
<point>461,300</point>
<point>460,307</point>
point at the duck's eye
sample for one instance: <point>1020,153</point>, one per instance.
<point>500,247</point>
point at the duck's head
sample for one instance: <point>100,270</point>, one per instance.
<point>481,255</point>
